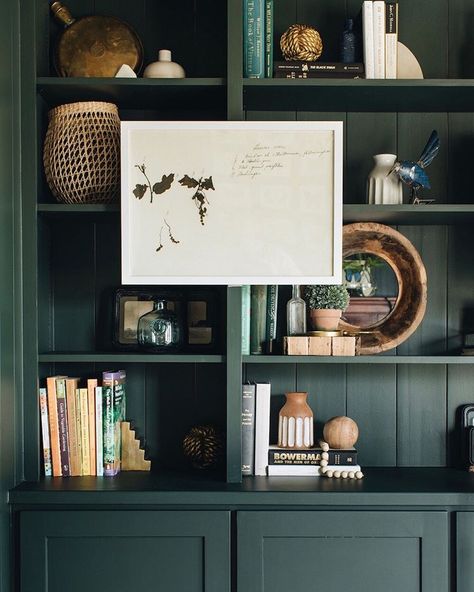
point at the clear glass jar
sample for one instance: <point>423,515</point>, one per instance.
<point>296,314</point>
<point>159,329</point>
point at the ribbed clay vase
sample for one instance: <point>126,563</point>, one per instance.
<point>295,422</point>
<point>383,188</point>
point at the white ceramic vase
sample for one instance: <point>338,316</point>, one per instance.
<point>164,67</point>
<point>383,188</point>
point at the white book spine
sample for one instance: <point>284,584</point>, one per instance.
<point>262,427</point>
<point>99,432</point>
<point>379,38</point>
<point>368,30</point>
<point>306,471</point>
<point>391,40</point>
<point>45,432</point>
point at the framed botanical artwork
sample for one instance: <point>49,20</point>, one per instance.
<point>231,203</point>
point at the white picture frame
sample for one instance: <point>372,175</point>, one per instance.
<point>235,203</point>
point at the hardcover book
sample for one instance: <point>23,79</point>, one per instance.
<point>43,401</point>
<point>91,386</point>
<point>268,38</point>
<point>368,35</point>
<point>254,57</point>
<point>291,457</point>
<point>54,425</point>
<point>75,461</point>
<point>248,428</point>
<point>114,401</point>
<point>292,74</point>
<point>99,434</point>
<point>271,324</point>
<point>63,428</point>
<point>391,39</point>
<point>246,320</point>
<point>85,442</point>
<point>258,319</point>
<point>305,471</point>
<point>301,66</point>
<point>379,38</point>
<point>108,428</point>
<point>262,426</point>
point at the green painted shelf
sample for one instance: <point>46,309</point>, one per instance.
<point>129,357</point>
<point>425,96</point>
<point>136,93</point>
<point>380,359</point>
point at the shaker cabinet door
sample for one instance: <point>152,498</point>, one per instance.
<point>465,551</point>
<point>341,551</point>
<point>123,551</point>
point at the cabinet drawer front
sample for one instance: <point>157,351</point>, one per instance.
<point>465,551</point>
<point>123,551</point>
<point>340,551</point>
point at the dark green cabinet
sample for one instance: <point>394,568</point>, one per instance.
<point>346,550</point>
<point>465,551</point>
<point>122,551</point>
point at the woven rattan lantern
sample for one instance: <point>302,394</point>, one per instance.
<point>301,42</point>
<point>82,152</point>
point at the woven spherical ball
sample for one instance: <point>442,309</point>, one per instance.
<point>204,446</point>
<point>301,42</point>
<point>82,152</point>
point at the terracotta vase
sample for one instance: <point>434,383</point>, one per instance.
<point>295,423</point>
<point>325,319</point>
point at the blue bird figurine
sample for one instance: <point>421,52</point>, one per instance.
<point>413,173</point>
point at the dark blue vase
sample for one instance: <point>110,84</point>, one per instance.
<point>348,49</point>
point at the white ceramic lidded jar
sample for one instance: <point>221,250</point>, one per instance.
<point>164,67</point>
<point>383,188</point>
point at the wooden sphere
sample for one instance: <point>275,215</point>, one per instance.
<point>322,470</point>
<point>341,432</point>
<point>325,456</point>
<point>359,475</point>
<point>329,473</point>
<point>344,474</point>
<point>324,445</point>
<point>323,463</point>
<point>351,475</point>
<point>337,474</point>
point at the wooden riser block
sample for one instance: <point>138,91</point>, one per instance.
<point>133,457</point>
<point>321,346</point>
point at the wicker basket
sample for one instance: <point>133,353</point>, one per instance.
<point>82,153</point>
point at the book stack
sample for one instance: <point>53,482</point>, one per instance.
<point>380,34</point>
<point>258,38</point>
<point>300,69</point>
<point>80,425</point>
<point>259,319</point>
<point>304,463</point>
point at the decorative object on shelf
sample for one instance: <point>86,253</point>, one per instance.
<point>326,305</point>
<point>349,46</point>
<point>326,343</point>
<point>295,422</point>
<point>413,173</point>
<point>94,45</point>
<point>125,72</point>
<point>341,432</point>
<point>184,228</point>
<point>296,313</point>
<point>133,457</point>
<point>204,446</point>
<point>164,67</point>
<point>336,471</point>
<point>301,42</point>
<point>383,185</point>
<point>159,329</point>
<point>408,66</point>
<point>405,261</point>
<point>82,152</point>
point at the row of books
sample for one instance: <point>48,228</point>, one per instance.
<point>261,458</point>
<point>258,38</point>
<point>259,319</point>
<point>380,38</point>
<point>81,426</point>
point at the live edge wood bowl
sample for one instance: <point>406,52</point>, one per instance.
<point>404,259</point>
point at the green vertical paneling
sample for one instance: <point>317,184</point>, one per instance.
<point>460,391</point>
<point>461,147</point>
<point>461,48</point>
<point>327,18</point>
<point>430,337</point>
<point>270,115</point>
<point>234,383</point>
<point>421,426</point>
<point>285,14</point>
<point>372,403</point>
<point>367,134</point>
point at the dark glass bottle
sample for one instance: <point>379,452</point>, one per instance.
<point>159,329</point>
<point>348,47</point>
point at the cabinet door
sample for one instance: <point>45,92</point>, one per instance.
<point>124,551</point>
<point>341,551</point>
<point>465,551</point>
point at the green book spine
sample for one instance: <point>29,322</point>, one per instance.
<point>253,34</point>
<point>272,304</point>
<point>258,318</point>
<point>245,320</point>
<point>108,427</point>
<point>268,38</point>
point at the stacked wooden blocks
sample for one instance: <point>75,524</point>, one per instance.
<point>344,345</point>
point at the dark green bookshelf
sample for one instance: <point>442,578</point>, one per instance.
<point>377,359</point>
<point>129,358</point>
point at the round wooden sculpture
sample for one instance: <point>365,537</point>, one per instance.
<point>341,432</point>
<point>404,259</point>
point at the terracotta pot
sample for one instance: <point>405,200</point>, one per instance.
<point>295,423</point>
<point>325,319</point>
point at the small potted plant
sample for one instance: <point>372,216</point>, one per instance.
<point>326,305</point>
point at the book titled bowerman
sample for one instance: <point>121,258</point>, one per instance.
<point>283,456</point>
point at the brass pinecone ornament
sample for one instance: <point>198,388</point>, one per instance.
<point>301,42</point>
<point>204,446</point>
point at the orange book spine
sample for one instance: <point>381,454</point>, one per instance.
<point>86,457</point>
<point>91,386</point>
<point>54,425</point>
<point>74,451</point>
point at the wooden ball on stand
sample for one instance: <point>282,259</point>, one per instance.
<point>341,432</point>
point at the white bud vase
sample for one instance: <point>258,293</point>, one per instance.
<point>383,188</point>
<point>164,67</point>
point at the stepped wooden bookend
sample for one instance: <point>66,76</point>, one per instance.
<point>133,457</point>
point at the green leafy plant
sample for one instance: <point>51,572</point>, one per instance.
<point>329,297</point>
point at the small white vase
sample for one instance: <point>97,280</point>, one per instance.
<point>383,188</point>
<point>164,67</point>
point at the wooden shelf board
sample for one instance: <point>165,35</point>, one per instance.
<point>360,95</point>
<point>378,359</point>
<point>129,357</point>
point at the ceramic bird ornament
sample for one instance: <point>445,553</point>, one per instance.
<point>413,173</point>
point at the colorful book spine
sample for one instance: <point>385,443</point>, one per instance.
<point>119,416</point>
<point>248,428</point>
<point>271,324</point>
<point>269,38</point>
<point>99,434</point>
<point>74,450</point>
<point>63,428</point>
<point>108,427</point>
<point>391,40</point>
<point>368,35</point>
<point>258,319</point>
<point>85,446</point>
<point>379,39</point>
<point>54,425</point>
<point>91,386</point>
<point>246,320</point>
<point>79,430</point>
<point>43,401</point>
<point>262,427</point>
<point>282,456</point>
<point>254,57</point>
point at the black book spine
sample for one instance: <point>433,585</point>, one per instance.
<point>294,75</point>
<point>248,428</point>
<point>310,457</point>
<point>339,67</point>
